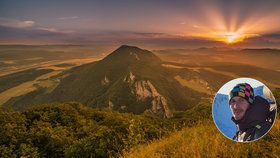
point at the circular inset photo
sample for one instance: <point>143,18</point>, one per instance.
<point>244,110</point>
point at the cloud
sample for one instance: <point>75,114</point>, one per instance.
<point>48,29</point>
<point>54,30</point>
<point>196,26</point>
<point>16,23</point>
<point>152,39</point>
<point>274,37</point>
<point>34,35</point>
<point>29,24</point>
<point>67,18</point>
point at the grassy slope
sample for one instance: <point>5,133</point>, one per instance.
<point>204,140</point>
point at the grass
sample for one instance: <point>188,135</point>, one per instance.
<point>204,140</point>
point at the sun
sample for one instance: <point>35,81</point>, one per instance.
<point>232,37</point>
<point>229,38</point>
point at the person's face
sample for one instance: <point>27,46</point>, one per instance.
<point>238,106</point>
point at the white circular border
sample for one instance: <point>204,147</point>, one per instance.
<point>229,85</point>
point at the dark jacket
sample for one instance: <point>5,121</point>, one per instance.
<point>255,122</point>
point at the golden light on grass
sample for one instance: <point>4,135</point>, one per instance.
<point>204,140</point>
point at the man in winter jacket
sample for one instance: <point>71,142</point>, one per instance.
<point>250,113</point>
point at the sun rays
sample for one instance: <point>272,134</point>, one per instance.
<point>231,28</point>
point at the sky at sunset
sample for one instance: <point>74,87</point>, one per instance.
<point>207,23</point>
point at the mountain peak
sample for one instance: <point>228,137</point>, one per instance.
<point>126,52</point>
<point>127,46</point>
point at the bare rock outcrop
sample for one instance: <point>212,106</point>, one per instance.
<point>144,89</point>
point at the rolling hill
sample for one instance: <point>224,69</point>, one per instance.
<point>128,80</point>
